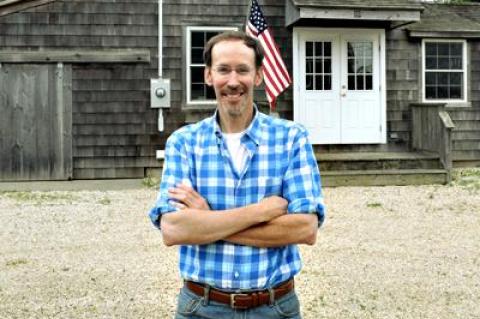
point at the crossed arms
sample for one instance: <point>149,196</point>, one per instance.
<point>265,224</point>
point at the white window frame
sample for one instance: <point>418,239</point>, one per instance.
<point>464,70</point>
<point>189,63</point>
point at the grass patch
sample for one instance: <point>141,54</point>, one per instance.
<point>104,201</point>
<point>151,182</point>
<point>16,262</point>
<point>38,197</point>
<point>466,177</point>
<point>374,205</point>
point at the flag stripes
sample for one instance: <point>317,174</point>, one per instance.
<point>275,72</point>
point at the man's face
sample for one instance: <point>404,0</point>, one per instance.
<point>233,76</point>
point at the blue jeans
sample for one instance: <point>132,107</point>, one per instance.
<point>191,306</point>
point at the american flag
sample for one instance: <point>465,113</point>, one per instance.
<point>275,72</point>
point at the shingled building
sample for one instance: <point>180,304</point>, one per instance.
<point>389,90</point>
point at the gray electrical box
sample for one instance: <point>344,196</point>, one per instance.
<point>160,93</point>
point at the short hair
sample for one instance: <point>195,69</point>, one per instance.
<point>250,42</point>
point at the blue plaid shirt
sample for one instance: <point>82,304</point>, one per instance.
<point>280,161</point>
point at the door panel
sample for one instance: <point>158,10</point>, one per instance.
<point>319,84</point>
<point>361,100</point>
<point>36,122</point>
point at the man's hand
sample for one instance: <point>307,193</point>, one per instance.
<point>273,207</point>
<point>187,197</point>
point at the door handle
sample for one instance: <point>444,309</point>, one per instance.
<point>343,91</point>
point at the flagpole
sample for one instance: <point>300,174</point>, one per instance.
<point>249,6</point>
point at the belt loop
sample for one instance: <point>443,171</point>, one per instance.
<point>271,293</point>
<point>206,295</point>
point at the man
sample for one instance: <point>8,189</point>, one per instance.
<point>239,191</point>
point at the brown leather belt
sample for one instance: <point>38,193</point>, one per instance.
<point>241,300</point>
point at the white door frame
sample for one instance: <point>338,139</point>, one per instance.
<point>297,32</point>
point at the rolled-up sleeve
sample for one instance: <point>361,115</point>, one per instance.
<point>302,186</point>
<point>175,171</point>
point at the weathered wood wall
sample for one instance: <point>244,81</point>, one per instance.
<point>35,122</point>
<point>403,83</point>
<point>114,129</point>
<point>466,137</point>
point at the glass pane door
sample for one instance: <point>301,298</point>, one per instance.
<point>318,66</point>
<point>360,62</point>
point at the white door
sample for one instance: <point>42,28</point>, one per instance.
<point>338,75</point>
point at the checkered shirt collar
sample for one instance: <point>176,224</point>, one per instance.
<point>253,131</point>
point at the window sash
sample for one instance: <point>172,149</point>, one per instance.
<point>198,86</point>
<point>444,82</point>
<point>318,65</point>
<point>360,65</point>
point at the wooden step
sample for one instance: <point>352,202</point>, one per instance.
<point>384,177</point>
<point>377,161</point>
<point>374,156</point>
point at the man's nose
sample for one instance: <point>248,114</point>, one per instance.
<point>233,79</point>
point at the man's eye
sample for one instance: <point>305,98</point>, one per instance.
<point>243,71</point>
<point>223,70</point>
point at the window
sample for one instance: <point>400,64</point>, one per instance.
<point>197,91</point>
<point>444,65</point>
<point>360,65</point>
<point>318,66</point>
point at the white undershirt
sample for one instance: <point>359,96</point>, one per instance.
<point>238,151</point>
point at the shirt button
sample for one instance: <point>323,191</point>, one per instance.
<point>236,274</point>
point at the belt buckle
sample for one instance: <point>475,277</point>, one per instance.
<point>232,301</point>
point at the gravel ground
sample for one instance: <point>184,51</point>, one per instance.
<point>383,252</point>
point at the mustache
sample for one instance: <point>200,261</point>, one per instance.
<point>233,91</point>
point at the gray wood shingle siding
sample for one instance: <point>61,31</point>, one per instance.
<point>403,69</point>
<point>466,136</point>
<point>114,129</point>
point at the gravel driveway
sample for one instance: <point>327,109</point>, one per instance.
<point>383,252</point>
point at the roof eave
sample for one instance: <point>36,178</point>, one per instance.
<point>294,13</point>
<point>366,7</point>
<point>12,6</point>
<point>444,34</point>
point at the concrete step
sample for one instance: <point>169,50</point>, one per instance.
<point>384,177</point>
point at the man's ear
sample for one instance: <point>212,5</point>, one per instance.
<point>258,76</point>
<point>207,74</point>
